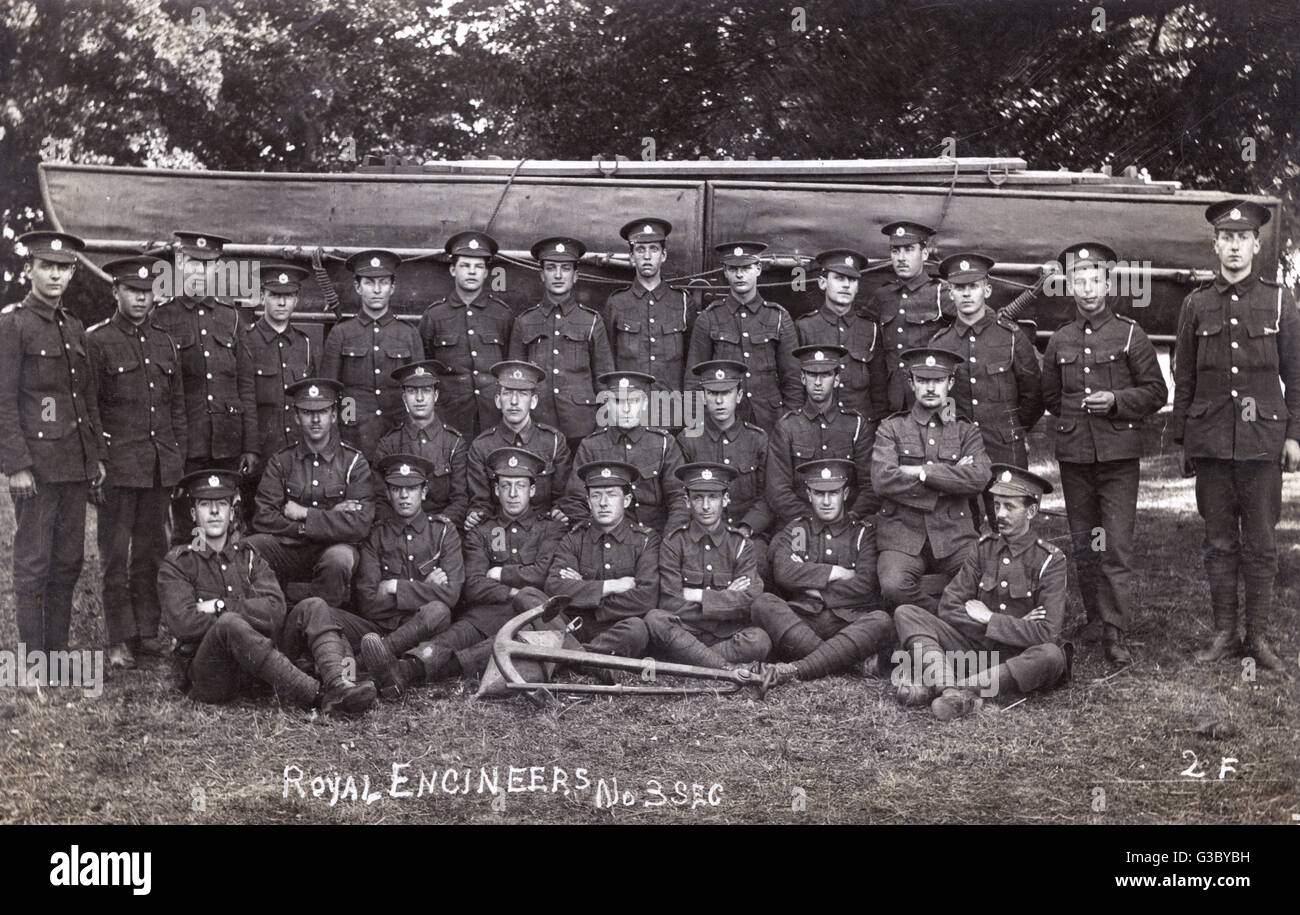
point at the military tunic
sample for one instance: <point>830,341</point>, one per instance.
<point>744,447</point>
<point>568,342</point>
<point>810,434</point>
<point>909,313</point>
<point>544,441</point>
<point>269,361</point>
<point>660,497</point>
<point>863,377</point>
<point>49,425</point>
<point>998,386</point>
<point>468,338</point>
<point>444,447</point>
<point>649,330</point>
<point>612,622</point>
<point>761,335</point>
<point>1011,578</point>
<point>142,406</point>
<point>361,354</point>
<point>400,548</point>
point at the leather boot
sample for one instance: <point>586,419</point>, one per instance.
<point>1224,645</point>
<point>378,658</point>
<point>1223,604</point>
<point>678,645</point>
<point>1257,647</point>
<point>292,686</point>
<point>1259,604</point>
<point>420,627</point>
<point>341,693</point>
<point>1112,639</point>
<point>956,702</point>
<point>771,675</point>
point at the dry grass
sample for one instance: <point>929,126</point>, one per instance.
<point>834,751</point>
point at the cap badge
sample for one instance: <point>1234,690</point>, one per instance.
<point>720,374</point>
<point>313,391</point>
<point>513,462</point>
<point>559,247</point>
<point>623,382</point>
<point>143,273</point>
<point>900,231</point>
<point>419,370</point>
<point>473,242</point>
<point>56,244</point>
<point>201,242</point>
<point>605,472</point>
<point>1083,252</point>
<point>647,230</point>
<point>283,278</point>
<point>214,480</point>
<point>929,360</point>
<point>848,259</point>
<point>404,470</point>
<point>1235,214</point>
<point>375,262</point>
<point>826,473</point>
<point>516,374</point>
<point>819,356</point>
<point>1006,476</point>
<point>706,474</point>
<point>965,265</point>
<point>737,251</point>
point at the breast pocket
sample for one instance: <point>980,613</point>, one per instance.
<point>439,491</point>
<point>1261,340</point>
<point>726,342</point>
<point>1067,364</point>
<point>1000,379</point>
<point>763,342</point>
<point>352,366</point>
<point>629,341</point>
<point>487,346</point>
<point>445,343</point>
<point>220,353</point>
<point>1211,343</point>
<point>671,337</point>
<point>394,355</point>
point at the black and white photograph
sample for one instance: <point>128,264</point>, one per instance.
<point>650,413</point>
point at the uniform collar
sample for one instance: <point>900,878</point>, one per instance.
<point>830,317</point>
<point>641,291</point>
<point>1096,322</point>
<point>697,532</point>
<point>126,327</point>
<point>191,303</point>
<point>455,301</point>
<point>911,285</point>
<point>1243,285</point>
<point>385,319</point>
<point>435,426</point>
<point>418,522</point>
<point>565,305</point>
<point>812,412</point>
<point>716,432</point>
<point>526,520</point>
<point>42,308</point>
<point>925,416</point>
<point>1020,544</point>
<point>524,435</point>
<point>752,305</point>
<point>621,532</point>
<point>227,552</point>
<point>835,527</point>
<point>634,434</point>
<point>269,333</point>
<point>979,326</point>
<point>328,452</point>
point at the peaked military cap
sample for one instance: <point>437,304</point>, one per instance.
<point>517,375</point>
<point>472,244</point>
<point>607,473</point>
<point>558,248</point>
<point>374,262</point>
<point>1237,214</point>
<point>56,247</point>
<point>202,246</point>
<point>423,374</point>
<point>965,268</point>
<point>1087,254</point>
<point>404,469</point>
<point>314,393</point>
<point>844,261</point>
<point>282,277</point>
<point>706,475</point>
<point>132,272</point>
<point>740,253</point>
<point>1009,480</point>
<point>515,462</point>
<point>625,381</point>
<point>720,374</point>
<point>210,484</point>
<point>826,474</point>
<point>931,361</point>
<point>646,229</point>
<point>907,233</point>
<point>819,357</point>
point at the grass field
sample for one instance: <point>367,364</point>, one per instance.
<point>1102,749</point>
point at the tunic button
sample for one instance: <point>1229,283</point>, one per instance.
<point>1235,345</point>
<point>1234,393</point>
<point>1234,370</point>
<point>206,354</point>
<point>209,397</point>
<point>1233,321</point>
<point>607,565</point>
<point>1086,370</point>
<point>1087,390</point>
<point>1002,584</point>
<point>315,482</point>
<point>974,402</point>
<point>1234,297</point>
<point>607,545</point>
<point>1087,330</point>
<point>203,332</point>
<point>1002,606</point>
<point>1087,350</point>
<point>470,332</point>
<point>474,352</point>
<point>708,568</point>
<point>973,359</point>
<point>1006,561</point>
<point>707,547</point>
<point>209,376</point>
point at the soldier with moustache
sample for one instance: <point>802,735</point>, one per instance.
<point>863,385</point>
<point>928,463</point>
<point>909,308</point>
<point>424,433</point>
<point>272,354</point>
<point>51,444</point>
<point>468,331</point>
<point>1237,416</point>
<point>362,352</point>
<point>649,322</point>
<point>744,327</point>
<point>822,428</point>
<point>708,581</point>
<point>142,407</point>
<point>566,340</point>
<point>516,398</point>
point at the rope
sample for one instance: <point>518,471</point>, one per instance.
<point>502,199</point>
<point>952,183</point>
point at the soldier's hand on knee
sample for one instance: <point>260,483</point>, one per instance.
<point>1291,455</point>
<point>22,485</point>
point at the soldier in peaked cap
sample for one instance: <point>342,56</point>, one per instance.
<point>744,327</point>
<point>650,323</point>
<point>928,462</point>
<point>516,397</point>
<point>608,565</point>
<point>1101,380</point>
<point>821,428</point>
<point>51,446</point>
<point>424,433</point>
<point>142,407</point>
<point>316,501</point>
<point>272,354</point>
<point>825,564</point>
<point>227,614</point>
<point>566,340</point>
<point>1238,348</point>
<point>708,580</point>
<point>363,351</point>
<point>910,308</point>
<point>837,322</point>
<point>623,436</point>
<point>998,386</point>
<point>468,330</point>
<point>1007,603</point>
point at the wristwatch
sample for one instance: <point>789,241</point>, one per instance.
<point>219,607</point>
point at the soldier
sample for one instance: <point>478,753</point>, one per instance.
<point>425,434</point>
<point>410,576</point>
<point>206,330</point>
<point>743,327</point>
<point>271,355</point>
<point>516,398</point>
<point>608,566</point>
<point>739,445</point>
<point>708,581</point>
<point>1238,346</point>
<point>506,560</point>
<point>910,308</point>
<point>142,407</point>
<point>649,322</point>
<point>225,612</point>
<point>315,501</point>
<point>566,340</point>
<point>825,564</point>
<point>1101,379</point>
<point>468,330</point>
<point>660,500</point>
<point>998,386</point>
<point>863,382</point>
<point>361,353</point>
<point>927,464</point>
<point>1019,573</point>
<point>50,439</point>
<point>822,428</point>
